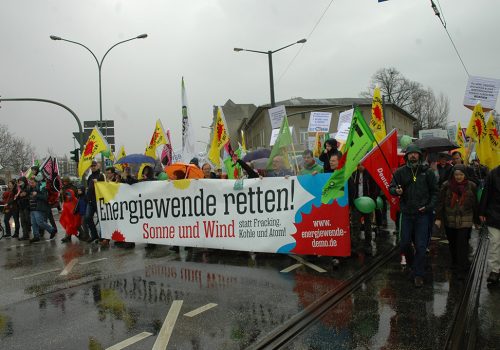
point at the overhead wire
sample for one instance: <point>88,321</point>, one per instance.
<point>302,46</point>
<point>440,16</point>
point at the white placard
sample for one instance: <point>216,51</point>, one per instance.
<point>345,117</point>
<point>481,89</point>
<point>319,121</point>
<point>343,132</point>
<point>275,133</point>
<point>276,116</point>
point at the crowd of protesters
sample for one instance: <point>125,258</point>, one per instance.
<point>443,195</point>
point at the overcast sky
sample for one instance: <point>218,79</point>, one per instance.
<point>195,38</point>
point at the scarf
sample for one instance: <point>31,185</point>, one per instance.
<point>458,192</point>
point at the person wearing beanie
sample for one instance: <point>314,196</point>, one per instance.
<point>456,210</point>
<point>416,186</point>
<point>330,149</point>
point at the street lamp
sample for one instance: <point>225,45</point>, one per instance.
<point>270,57</point>
<point>99,64</point>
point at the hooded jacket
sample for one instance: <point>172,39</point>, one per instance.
<point>325,156</point>
<point>419,186</point>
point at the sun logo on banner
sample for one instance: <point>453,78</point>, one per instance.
<point>107,190</point>
<point>181,184</point>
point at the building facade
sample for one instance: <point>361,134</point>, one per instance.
<point>257,127</point>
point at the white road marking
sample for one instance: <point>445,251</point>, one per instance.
<point>168,325</point>
<point>132,340</point>
<point>93,261</point>
<point>36,274</point>
<point>290,268</point>
<point>312,266</point>
<point>68,267</point>
<point>200,310</point>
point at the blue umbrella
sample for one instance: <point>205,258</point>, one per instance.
<point>136,158</point>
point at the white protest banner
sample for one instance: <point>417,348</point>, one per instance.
<point>275,133</point>
<point>345,117</point>
<point>276,116</point>
<point>481,89</point>
<point>319,121</point>
<point>343,132</point>
<point>274,215</point>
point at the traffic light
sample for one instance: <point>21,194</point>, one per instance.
<point>75,155</point>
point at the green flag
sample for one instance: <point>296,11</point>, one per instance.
<point>359,141</point>
<point>283,140</point>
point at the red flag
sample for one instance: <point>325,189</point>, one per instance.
<point>380,168</point>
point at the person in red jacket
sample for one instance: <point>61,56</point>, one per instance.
<point>70,219</point>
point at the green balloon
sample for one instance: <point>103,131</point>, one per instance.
<point>364,204</point>
<point>106,153</point>
<point>405,141</point>
<point>380,203</point>
<point>162,176</point>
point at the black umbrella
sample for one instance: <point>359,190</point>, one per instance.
<point>435,144</point>
<point>257,154</point>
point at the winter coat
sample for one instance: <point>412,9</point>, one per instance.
<point>96,175</point>
<point>416,194</point>
<point>457,210</point>
<point>370,188</point>
<point>490,199</point>
<point>39,201</point>
<point>70,220</point>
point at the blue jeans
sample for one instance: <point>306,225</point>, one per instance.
<point>89,219</point>
<point>415,228</point>
<point>39,221</point>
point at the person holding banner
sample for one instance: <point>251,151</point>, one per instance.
<point>310,166</point>
<point>278,168</point>
<point>416,185</point>
<point>330,149</point>
<point>361,184</point>
<point>91,201</point>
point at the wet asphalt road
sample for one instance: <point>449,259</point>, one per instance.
<point>82,296</point>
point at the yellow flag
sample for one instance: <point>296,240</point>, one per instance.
<point>460,141</point>
<point>94,145</point>
<point>377,123</point>
<point>158,138</point>
<point>476,129</point>
<point>491,147</point>
<point>220,137</point>
<point>121,154</point>
<point>317,145</point>
<point>243,143</point>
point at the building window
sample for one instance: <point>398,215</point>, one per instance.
<point>303,136</point>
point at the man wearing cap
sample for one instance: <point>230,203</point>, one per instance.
<point>92,204</point>
<point>416,185</point>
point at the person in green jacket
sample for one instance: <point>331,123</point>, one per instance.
<point>310,165</point>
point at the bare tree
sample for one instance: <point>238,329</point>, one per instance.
<point>15,152</point>
<point>430,111</point>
